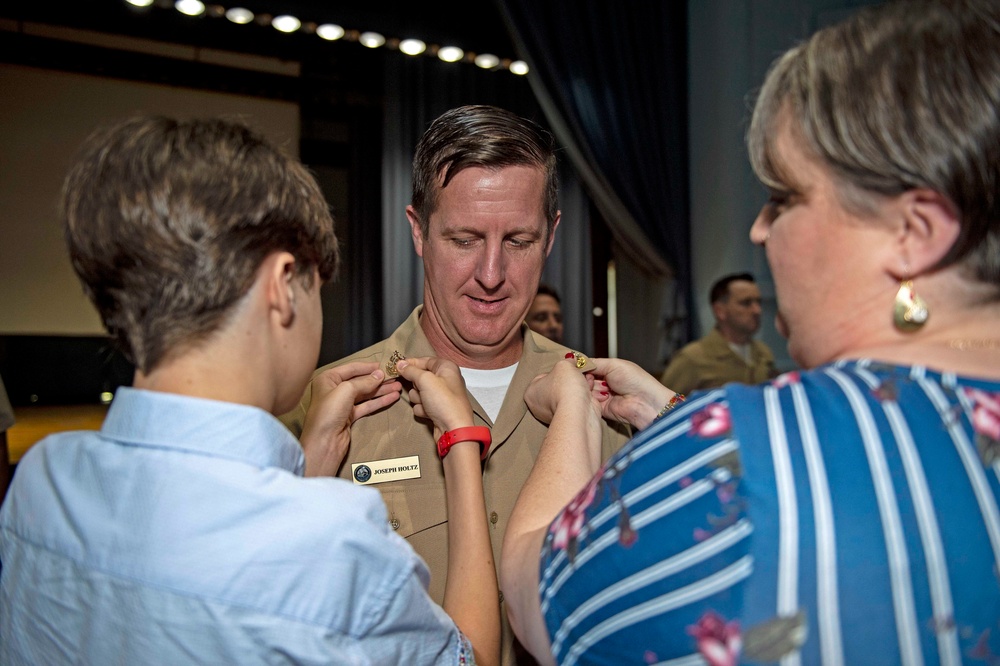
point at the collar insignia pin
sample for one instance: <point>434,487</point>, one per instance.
<point>390,365</point>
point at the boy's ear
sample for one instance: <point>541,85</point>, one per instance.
<point>278,272</point>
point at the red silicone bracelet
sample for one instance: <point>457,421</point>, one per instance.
<point>479,434</point>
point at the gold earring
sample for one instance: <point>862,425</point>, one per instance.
<point>909,311</point>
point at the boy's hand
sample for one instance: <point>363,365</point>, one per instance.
<point>340,396</point>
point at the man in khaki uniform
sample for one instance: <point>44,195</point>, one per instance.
<point>545,313</point>
<point>729,352</point>
<point>483,219</point>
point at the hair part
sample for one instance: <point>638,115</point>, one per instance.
<point>720,289</point>
<point>167,223</point>
<point>481,136</point>
<point>898,97</point>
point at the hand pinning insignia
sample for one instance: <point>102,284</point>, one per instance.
<point>390,365</point>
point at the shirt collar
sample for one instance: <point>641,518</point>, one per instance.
<point>204,427</point>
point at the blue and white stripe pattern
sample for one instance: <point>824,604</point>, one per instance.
<point>846,517</point>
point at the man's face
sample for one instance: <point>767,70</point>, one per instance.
<point>483,255</point>
<point>740,313</point>
<point>545,317</point>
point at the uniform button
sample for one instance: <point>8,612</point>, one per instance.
<point>494,517</point>
<point>394,524</point>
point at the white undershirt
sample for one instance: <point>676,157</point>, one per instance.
<point>489,387</point>
<point>743,351</point>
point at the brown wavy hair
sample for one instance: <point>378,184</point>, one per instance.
<point>168,221</point>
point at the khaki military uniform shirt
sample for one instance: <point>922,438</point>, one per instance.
<point>416,507</point>
<point>711,362</point>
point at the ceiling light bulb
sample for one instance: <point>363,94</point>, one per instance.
<point>372,40</point>
<point>140,3</point>
<point>450,53</point>
<point>487,60</point>
<point>190,7</point>
<point>519,67</point>
<point>286,23</point>
<point>330,31</point>
<point>412,46</point>
<point>239,15</point>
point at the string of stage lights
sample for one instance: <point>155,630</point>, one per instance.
<point>332,32</point>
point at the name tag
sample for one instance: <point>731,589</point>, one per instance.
<point>390,469</point>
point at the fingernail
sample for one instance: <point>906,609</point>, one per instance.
<point>605,393</point>
<point>378,375</point>
<point>401,363</point>
<point>604,383</point>
<point>569,354</point>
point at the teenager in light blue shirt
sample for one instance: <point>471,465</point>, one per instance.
<point>184,530</point>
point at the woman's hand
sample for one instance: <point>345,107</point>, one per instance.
<point>340,396</point>
<point>438,392</point>
<point>563,382</point>
<point>626,392</point>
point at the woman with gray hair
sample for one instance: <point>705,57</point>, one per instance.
<point>847,513</point>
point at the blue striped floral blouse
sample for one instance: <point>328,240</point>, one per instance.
<point>844,515</point>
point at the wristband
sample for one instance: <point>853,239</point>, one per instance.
<point>479,434</point>
<point>675,400</point>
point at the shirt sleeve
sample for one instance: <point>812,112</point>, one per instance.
<point>404,625</point>
<point>648,558</point>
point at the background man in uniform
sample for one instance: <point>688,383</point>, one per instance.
<point>728,353</point>
<point>545,314</point>
<point>483,218</point>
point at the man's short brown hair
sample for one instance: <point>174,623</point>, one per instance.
<point>480,136</point>
<point>168,221</point>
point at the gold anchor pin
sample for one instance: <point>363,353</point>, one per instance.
<point>390,365</point>
<point>581,360</point>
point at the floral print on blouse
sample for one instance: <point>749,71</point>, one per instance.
<point>810,518</point>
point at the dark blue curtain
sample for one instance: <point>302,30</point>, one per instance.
<point>612,78</point>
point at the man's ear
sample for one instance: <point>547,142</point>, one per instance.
<point>552,234</point>
<point>930,227</point>
<point>278,271</point>
<point>415,231</point>
<point>719,310</point>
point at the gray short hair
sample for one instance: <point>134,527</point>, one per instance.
<point>899,96</point>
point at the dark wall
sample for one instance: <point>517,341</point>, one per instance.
<point>61,369</point>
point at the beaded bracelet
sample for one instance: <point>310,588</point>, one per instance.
<point>675,400</point>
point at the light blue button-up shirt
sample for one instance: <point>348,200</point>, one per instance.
<point>183,532</point>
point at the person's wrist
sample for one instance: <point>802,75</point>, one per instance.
<point>479,434</point>
<point>670,405</point>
